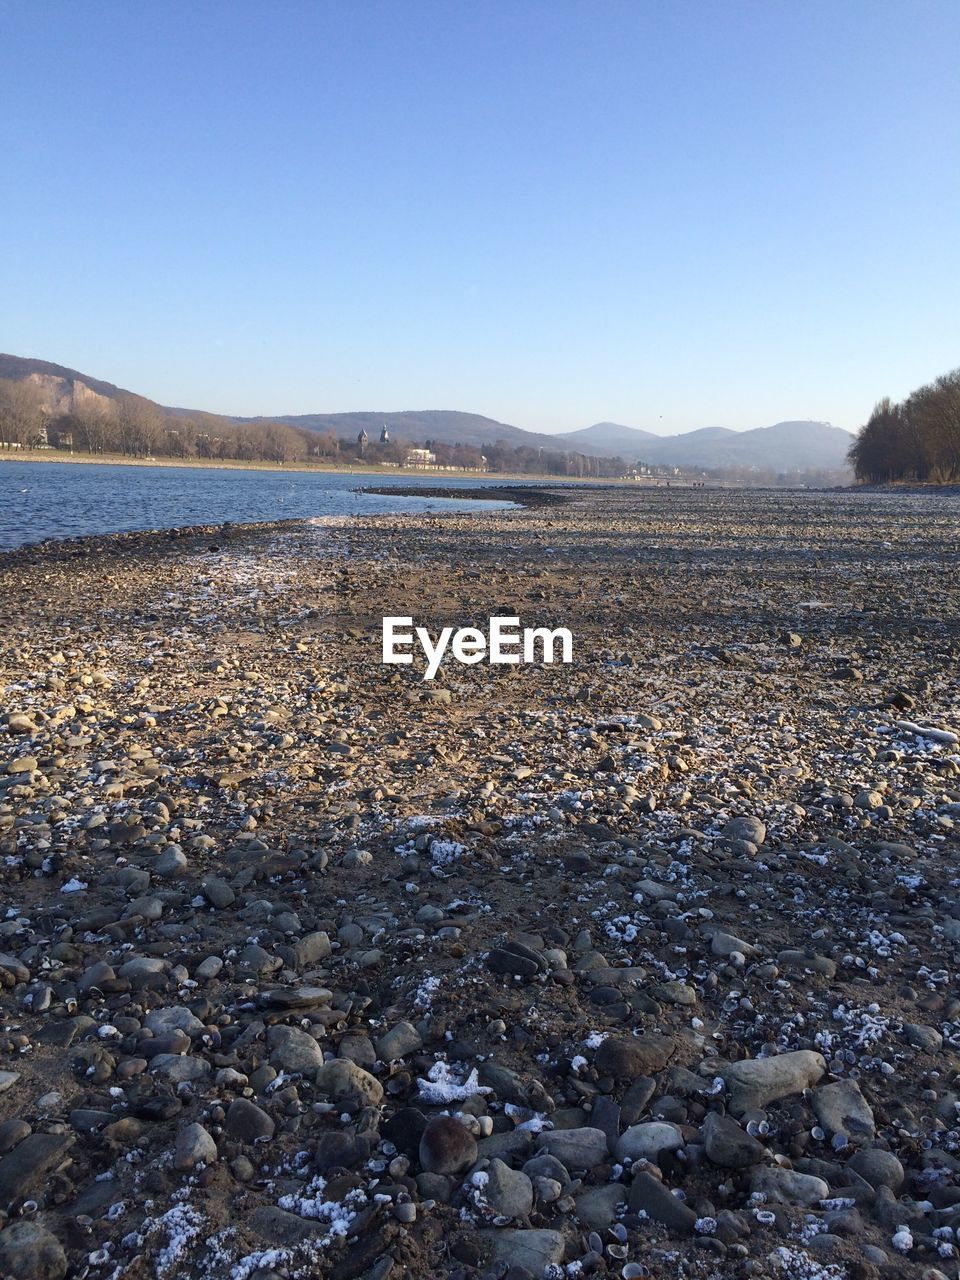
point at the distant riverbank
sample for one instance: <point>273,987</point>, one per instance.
<point>226,464</point>
<point>328,468</point>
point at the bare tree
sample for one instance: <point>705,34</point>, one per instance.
<point>21,413</point>
<point>94,421</point>
<point>139,425</point>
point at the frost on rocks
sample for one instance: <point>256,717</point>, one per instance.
<point>902,1240</point>
<point>442,1087</point>
<point>797,1264</point>
<point>311,1203</point>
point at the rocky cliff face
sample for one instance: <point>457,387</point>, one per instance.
<point>64,395</point>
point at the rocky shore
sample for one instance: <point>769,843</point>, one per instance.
<point>642,966</point>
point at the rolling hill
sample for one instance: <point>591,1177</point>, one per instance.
<point>799,445</point>
<point>785,446</point>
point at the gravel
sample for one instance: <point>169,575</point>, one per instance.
<point>643,965</point>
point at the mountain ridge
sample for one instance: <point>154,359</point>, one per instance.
<point>790,445</point>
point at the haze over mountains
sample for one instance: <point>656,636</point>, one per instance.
<point>798,445</point>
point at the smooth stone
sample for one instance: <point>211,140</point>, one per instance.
<point>194,1146</point>
<point>217,892</point>
<point>728,1145</point>
<point>29,1162</point>
<point>28,1252</point>
<point>293,1050</point>
<point>927,1039</point>
<point>311,949</point>
<point>582,1148</point>
<point>534,1250</point>
<point>726,945</point>
<point>446,1146</point>
<point>755,1082</point>
<point>750,829</point>
<point>508,1192</point>
<point>294,997</point>
<point>878,1167</point>
<point>247,1122</point>
<point>173,1018</point>
<point>841,1108</point>
<point>341,1078</point>
<point>649,1196</point>
<point>177,1068</point>
<point>786,1186</point>
<point>598,1207</point>
<point>400,1040</point>
<point>172,862</point>
<point>626,1059</point>
<point>282,1229</point>
<point>646,1141</point>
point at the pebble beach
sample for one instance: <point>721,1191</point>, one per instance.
<point>645,965</point>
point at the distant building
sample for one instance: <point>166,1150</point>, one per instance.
<point>420,458</point>
<point>362,440</point>
<point>384,435</point>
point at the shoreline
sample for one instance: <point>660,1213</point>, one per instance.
<point>321,468</point>
<point>129,540</point>
<point>279,908</point>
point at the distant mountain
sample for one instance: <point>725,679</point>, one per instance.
<point>608,439</point>
<point>786,446</point>
<point>448,426</point>
<point>22,366</point>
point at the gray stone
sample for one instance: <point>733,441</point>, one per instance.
<point>750,829</point>
<point>649,1196</point>
<point>341,1078</point>
<point>208,969</point>
<point>726,944</point>
<point>28,1252</point>
<point>311,949</point>
<point>786,1186</point>
<point>534,1250</point>
<point>446,1146</point>
<point>878,1167</point>
<point>194,1146</point>
<point>217,892</point>
<point>597,1208</point>
<point>628,1058</point>
<point>400,1040</point>
<point>293,1050</point>
<point>279,1228</point>
<point>646,1141</point>
<point>841,1108</point>
<point>728,1145</point>
<point>582,1148</point>
<point>178,1067</point>
<point>29,1163</point>
<point>247,1122</point>
<point>172,862</point>
<point>927,1039</point>
<point>508,1192</point>
<point>172,1018</point>
<point>755,1082</point>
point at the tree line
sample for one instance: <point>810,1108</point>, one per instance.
<point>918,439</point>
<point>134,427</point>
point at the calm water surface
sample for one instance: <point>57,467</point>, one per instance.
<point>58,500</point>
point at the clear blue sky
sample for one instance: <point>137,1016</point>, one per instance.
<point>665,214</point>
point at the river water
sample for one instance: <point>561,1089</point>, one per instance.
<point>62,500</point>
